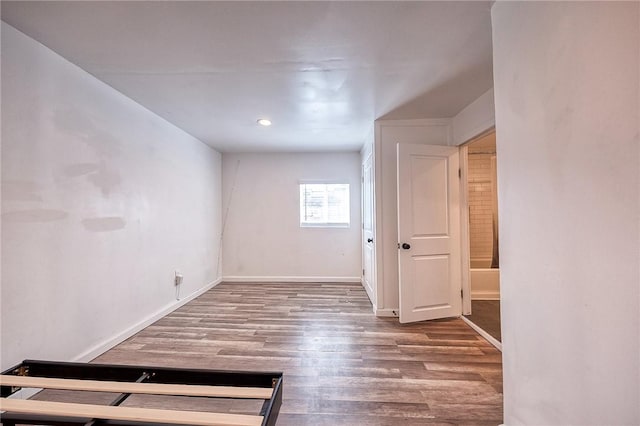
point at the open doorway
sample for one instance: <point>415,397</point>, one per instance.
<point>484,253</point>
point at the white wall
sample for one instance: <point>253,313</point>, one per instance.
<point>101,201</point>
<point>567,119</point>
<point>263,240</point>
<point>388,134</point>
<point>368,145</point>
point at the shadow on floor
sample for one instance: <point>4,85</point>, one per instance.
<point>486,315</point>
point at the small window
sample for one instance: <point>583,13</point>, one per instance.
<point>324,204</point>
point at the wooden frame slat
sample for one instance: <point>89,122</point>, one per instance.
<point>136,388</point>
<point>27,406</point>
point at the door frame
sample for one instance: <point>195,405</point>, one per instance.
<point>465,249</point>
<point>465,236</point>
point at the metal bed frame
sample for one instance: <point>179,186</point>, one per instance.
<point>130,376</point>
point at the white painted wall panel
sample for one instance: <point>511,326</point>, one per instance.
<point>101,201</point>
<point>567,118</point>
<point>263,239</point>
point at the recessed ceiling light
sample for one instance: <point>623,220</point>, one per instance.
<point>264,122</point>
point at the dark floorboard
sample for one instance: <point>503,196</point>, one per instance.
<point>486,315</point>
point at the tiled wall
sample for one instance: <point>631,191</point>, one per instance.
<point>480,209</point>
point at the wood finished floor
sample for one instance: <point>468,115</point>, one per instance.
<point>341,364</point>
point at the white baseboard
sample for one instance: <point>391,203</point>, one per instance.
<point>289,279</point>
<point>385,312</point>
<point>485,295</point>
<point>489,338</point>
<point>104,346</point>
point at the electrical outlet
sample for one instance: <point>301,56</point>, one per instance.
<point>178,278</point>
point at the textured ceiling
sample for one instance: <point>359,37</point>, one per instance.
<point>321,71</point>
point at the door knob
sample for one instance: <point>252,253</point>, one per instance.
<point>369,240</point>
<point>406,246</point>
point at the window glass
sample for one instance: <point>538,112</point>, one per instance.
<point>324,204</point>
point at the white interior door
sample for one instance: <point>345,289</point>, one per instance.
<point>428,232</point>
<point>368,247</point>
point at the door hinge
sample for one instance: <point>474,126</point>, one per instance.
<point>363,272</point>
<point>460,173</point>
<point>461,294</point>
